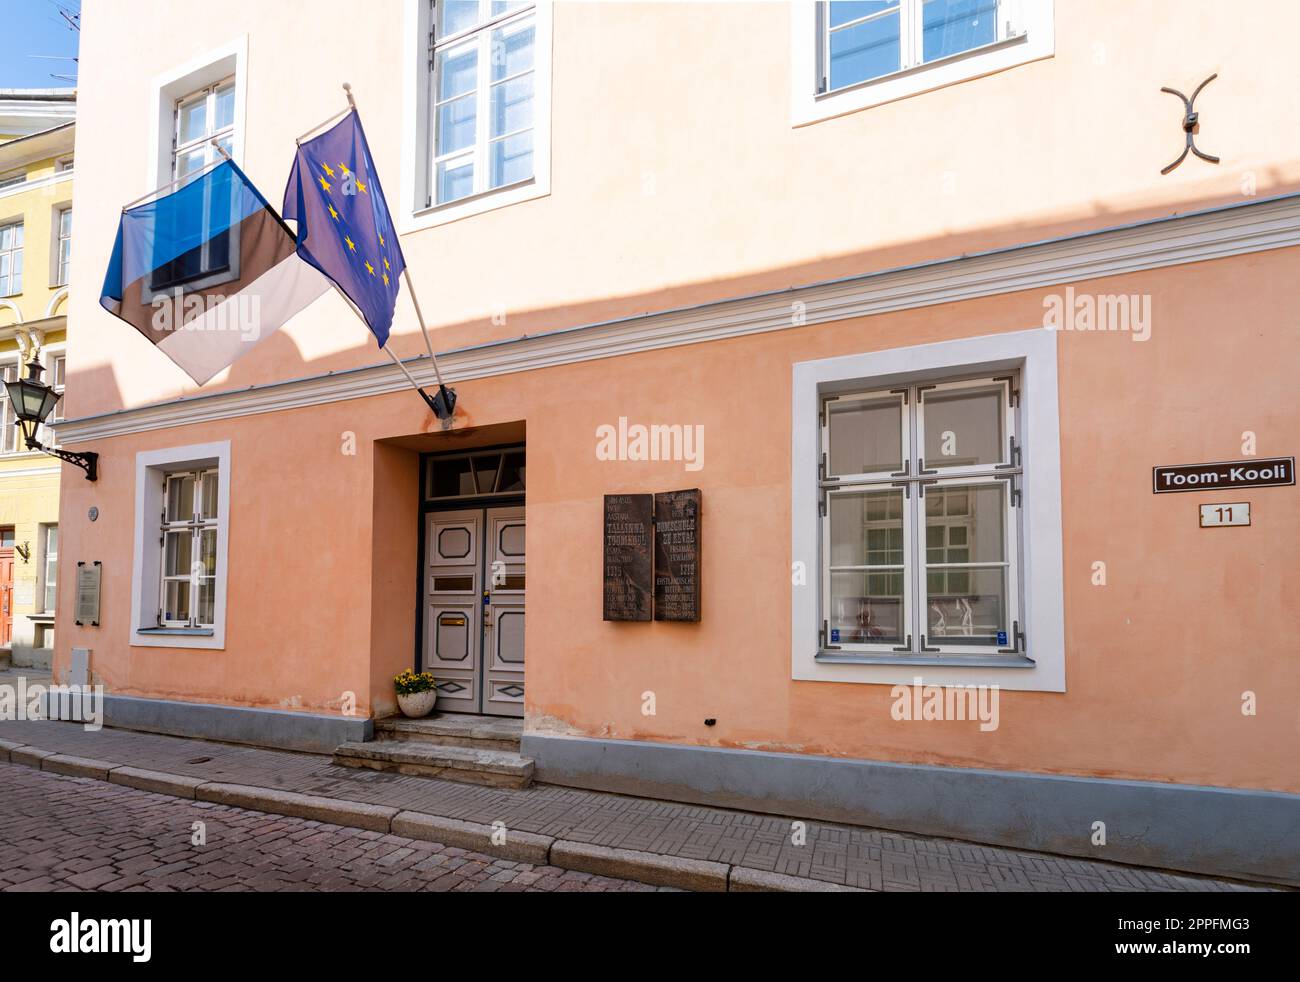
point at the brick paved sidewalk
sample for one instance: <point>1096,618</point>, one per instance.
<point>848,856</point>
<point>67,833</point>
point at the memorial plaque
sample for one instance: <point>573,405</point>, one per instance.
<point>677,555</point>
<point>88,594</point>
<point>629,577</point>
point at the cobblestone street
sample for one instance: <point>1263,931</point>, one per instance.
<point>64,833</point>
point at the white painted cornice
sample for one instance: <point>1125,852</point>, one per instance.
<point>1215,234</point>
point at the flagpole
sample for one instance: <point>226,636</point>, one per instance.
<point>449,400</point>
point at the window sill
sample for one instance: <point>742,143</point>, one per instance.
<point>476,204</point>
<point>41,618</point>
<point>937,661</point>
<point>179,632</point>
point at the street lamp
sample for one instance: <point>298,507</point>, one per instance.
<point>33,401</point>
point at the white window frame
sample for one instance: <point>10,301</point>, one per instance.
<point>208,95</point>
<point>48,577</point>
<point>62,262</point>
<point>16,256</point>
<point>209,68</point>
<point>151,471</point>
<point>1031,356</point>
<point>194,525</point>
<point>1026,33</point>
<point>418,174</point>
<point>912,483</point>
<point>10,370</point>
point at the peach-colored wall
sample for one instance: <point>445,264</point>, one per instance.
<point>1157,661</point>
<point>677,176</point>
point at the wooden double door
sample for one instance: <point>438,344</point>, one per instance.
<point>474,587</point>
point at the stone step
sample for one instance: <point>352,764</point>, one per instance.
<point>469,765</point>
<point>454,730</point>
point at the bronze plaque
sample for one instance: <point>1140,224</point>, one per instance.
<point>677,555</point>
<point>629,521</point>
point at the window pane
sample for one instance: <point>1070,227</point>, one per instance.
<point>512,49</point>
<point>487,473</point>
<point>456,125</point>
<point>455,16</point>
<point>512,159</point>
<point>176,600</point>
<point>966,606</point>
<point>455,179</point>
<point>208,552</point>
<point>951,26</point>
<point>180,498</point>
<point>65,222</point>
<point>964,428</point>
<point>451,478</point>
<point>866,608</point>
<point>843,11</point>
<point>501,6</point>
<point>209,501</point>
<point>207,594</point>
<point>190,161</point>
<point>866,435</point>
<point>512,474</point>
<point>177,553</point>
<point>193,121</point>
<point>867,528</point>
<point>866,50</point>
<point>457,71</point>
<point>225,108</point>
<point>512,105</point>
<point>966,524</point>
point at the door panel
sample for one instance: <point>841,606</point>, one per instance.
<point>6,597</point>
<point>474,609</point>
<point>451,634</point>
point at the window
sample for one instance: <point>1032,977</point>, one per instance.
<point>919,527</point>
<point>11,259</point>
<point>851,54</point>
<point>64,247</point>
<point>50,566</point>
<point>64,166</point>
<point>483,85</point>
<point>201,117</point>
<point>12,180</point>
<point>55,377</point>
<point>179,567</point>
<point>189,549</point>
<point>866,40</point>
<point>9,442</point>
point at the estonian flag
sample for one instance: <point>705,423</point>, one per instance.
<point>207,272</point>
<point>344,228</point>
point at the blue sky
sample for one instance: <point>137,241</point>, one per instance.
<point>34,27</point>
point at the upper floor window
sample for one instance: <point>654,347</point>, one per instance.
<point>64,166</point>
<point>851,54</point>
<point>482,98</point>
<point>64,247</point>
<point>11,259</point>
<point>13,179</point>
<point>867,39</point>
<point>49,568</point>
<point>200,118</point>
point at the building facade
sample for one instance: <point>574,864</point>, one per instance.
<point>902,288</point>
<point>37,132</point>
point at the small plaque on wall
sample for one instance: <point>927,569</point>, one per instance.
<point>677,555</point>
<point>88,575</point>
<point>629,587</point>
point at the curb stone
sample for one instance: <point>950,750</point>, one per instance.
<point>30,756</point>
<point>354,814</point>
<point>158,782</point>
<point>7,747</point>
<point>745,879</point>
<point>78,766</point>
<point>648,867</point>
<point>525,847</point>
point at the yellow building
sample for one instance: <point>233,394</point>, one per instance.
<point>36,148</point>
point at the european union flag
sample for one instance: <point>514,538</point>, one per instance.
<point>344,228</point>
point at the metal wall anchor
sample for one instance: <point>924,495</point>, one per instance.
<point>1190,121</point>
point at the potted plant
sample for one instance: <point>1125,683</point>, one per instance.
<point>416,693</point>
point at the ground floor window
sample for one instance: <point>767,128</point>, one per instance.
<point>920,494</point>
<point>188,542</point>
<point>50,566</point>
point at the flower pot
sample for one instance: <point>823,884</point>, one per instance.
<point>417,704</point>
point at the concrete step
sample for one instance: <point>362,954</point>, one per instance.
<point>454,730</point>
<point>469,765</point>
